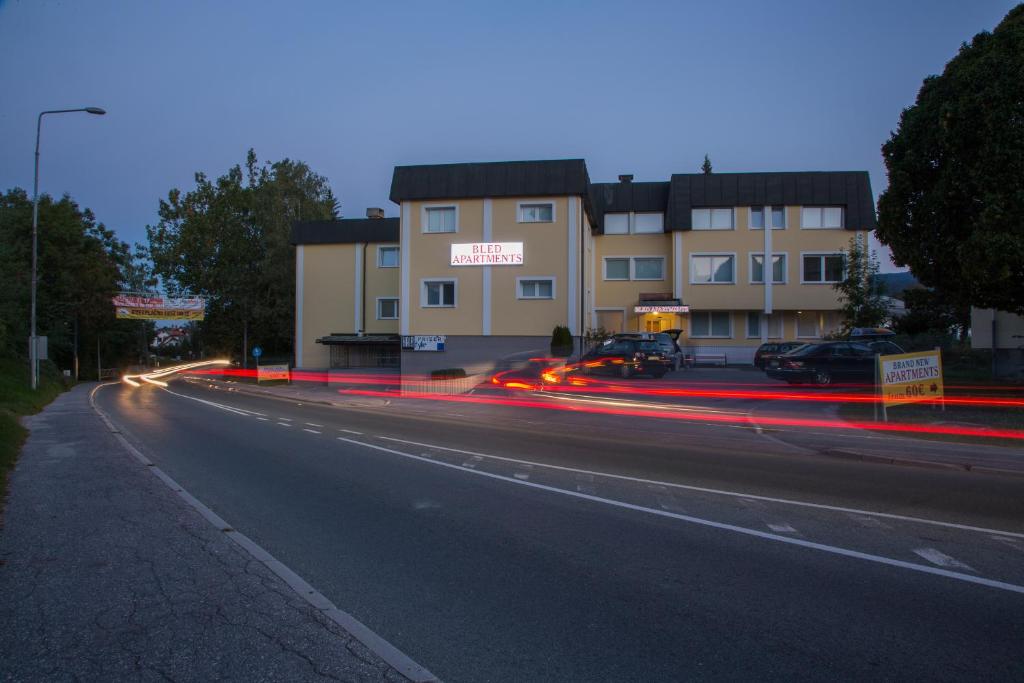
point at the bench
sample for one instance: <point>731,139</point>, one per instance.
<point>710,359</point>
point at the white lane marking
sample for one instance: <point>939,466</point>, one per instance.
<point>1011,542</point>
<point>701,489</point>
<point>835,550</point>
<point>782,528</point>
<point>311,431</point>
<point>283,424</point>
<point>585,484</point>
<point>286,419</point>
<point>473,462</point>
<point>350,431</point>
<point>313,424</point>
<point>262,419</point>
<point>871,522</point>
<point>524,474</point>
<point>669,503</point>
<point>221,406</point>
<point>942,559</point>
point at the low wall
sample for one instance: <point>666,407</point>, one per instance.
<point>416,384</point>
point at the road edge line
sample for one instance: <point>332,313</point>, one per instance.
<point>390,654</point>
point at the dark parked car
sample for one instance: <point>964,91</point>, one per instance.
<point>626,357</point>
<point>885,348</point>
<point>667,341</point>
<point>825,363</point>
<point>769,351</point>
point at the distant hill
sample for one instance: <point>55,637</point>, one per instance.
<point>895,283</point>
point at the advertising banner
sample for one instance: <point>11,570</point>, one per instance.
<point>433,342</point>
<point>136,307</point>
<point>910,377</point>
<point>273,373</point>
<point>488,254</point>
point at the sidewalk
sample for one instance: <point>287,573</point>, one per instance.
<point>106,574</point>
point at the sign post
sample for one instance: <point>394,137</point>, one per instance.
<point>909,378</point>
<point>256,353</point>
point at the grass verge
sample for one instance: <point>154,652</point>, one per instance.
<point>17,399</point>
<point>962,416</point>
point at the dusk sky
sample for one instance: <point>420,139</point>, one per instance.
<point>354,89</point>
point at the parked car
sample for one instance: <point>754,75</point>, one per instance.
<point>769,351</point>
<point>667,341</point>
<point>866,334</point>
<point>885,348</point>
<point>626,357</point>
<point>825,363</point>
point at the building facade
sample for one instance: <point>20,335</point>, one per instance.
<point>492,256</point>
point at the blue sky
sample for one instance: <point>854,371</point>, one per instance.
<point>354,89</point>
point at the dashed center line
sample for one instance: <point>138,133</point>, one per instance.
<point>311,431</point>
<point>283,424</point>
<point>350,431</point>
<point>286,419</point>
<point>313,424</point>
<point>782,528</point>
<point>941,559</point>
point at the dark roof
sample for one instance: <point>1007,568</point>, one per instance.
<point>851,189</point>
<point>492,179</point>
<point>625,197</point>
<point>346,231</point>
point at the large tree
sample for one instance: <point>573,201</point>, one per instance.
<point>954,208</point>
<point>81,266</point>
<point>228,239</point>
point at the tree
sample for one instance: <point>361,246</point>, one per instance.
<point>954,208</point>
<point>706,166</point>
<point>928,311</point>
<point>81,266</point>
<point>860,292</point>
<point>228,240</point>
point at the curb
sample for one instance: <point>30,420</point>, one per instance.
<point>926,464</point>
<point>391,655</point>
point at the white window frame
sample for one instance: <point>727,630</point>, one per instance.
<point>713,253</point>
<point>693,335</point>
<point>785,268</point>
<point>380,250</point>
<point>822,254</point>
<point>536,278</point>
<point>423,292</point>
<point>424,220</point>
<point>712,209</point>
<point>780,326</point>
<point>535,202</point>
<point>750,216</point>
<point>397,307</point>
<point>796,325</point>
<point>632,268</point>
<point>822,207</point>
<point>633,223</point>
<point>604,268</point>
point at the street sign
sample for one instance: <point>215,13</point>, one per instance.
<point>433,342</point>
<point>257,352</point>
<point>910,377</point>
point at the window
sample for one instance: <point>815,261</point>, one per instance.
<point>821,217</point>
<point>711,324</point>
<point>757,218</point>
<point>438,293</point>
<point>754,325</point>
<point>634,268</point>
<point>537,213</point>
<point>387,309</point>
<point>536,288</point>
<point>616,269</point>
<point>616,224</point>
<point>712,269</point>
<point>441,219</point>
<point>387,257</point>
<point>649,222</point>
<point>649,268</point>
<point>757,268</point>
<point>808,325</point>
<point>712,219</point>
<point>823,268</point>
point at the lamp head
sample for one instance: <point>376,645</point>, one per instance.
<point>96,110</point>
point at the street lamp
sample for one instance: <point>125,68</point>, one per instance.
<point>33,351</point>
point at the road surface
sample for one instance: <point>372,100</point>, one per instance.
<point>508,543</point>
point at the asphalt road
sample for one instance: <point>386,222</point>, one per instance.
<point>509,543</point>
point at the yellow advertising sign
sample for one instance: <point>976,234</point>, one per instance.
<point>273,373</point>
<point>910,377</point>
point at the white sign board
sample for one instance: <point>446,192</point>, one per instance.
<point>433,342</point>
<point>488,254</point>
<point>661,309</point>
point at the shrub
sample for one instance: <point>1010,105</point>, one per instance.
<point>561,341</point>
<point>448,373</point>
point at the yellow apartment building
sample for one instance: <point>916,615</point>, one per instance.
<point>485,259</point>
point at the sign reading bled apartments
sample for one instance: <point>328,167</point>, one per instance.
<point>910,377</point>
<point>488,254</point>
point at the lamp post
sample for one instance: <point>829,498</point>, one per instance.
<point>33,350</point>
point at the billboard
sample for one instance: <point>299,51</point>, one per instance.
<point>488,254</point>
<point>910,377</point>
<point>141,307</point>
<point>273,373</point>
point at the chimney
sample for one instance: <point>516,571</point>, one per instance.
<point>374,212</point>
<point>626,178</point>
